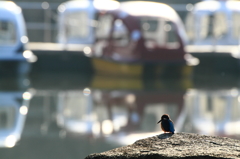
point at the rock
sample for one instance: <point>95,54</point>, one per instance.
<point>179,145</point>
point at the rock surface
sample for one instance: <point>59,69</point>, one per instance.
<point>179,145</point>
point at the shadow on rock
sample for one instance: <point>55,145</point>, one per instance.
<point>165,135</point>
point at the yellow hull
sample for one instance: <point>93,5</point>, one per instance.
<point>105,67</point>
<point>113,68</point>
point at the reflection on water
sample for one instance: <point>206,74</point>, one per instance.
<point>14,103</point>
<point>213,112</point>
<point>71,116</point>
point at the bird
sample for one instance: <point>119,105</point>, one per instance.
<point>166,124</point>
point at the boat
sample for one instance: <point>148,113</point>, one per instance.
<point>214,23</point>
<point>141,39</point>
<point>13,40</point>
<point>77,22</point>
<point>213,32</point>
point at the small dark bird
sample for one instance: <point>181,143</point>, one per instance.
<point>166,124</point>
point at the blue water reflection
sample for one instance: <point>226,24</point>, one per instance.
<point>71,116</point>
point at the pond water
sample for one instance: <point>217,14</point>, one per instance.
<point>73,115</point>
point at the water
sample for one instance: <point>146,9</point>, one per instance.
<point>73,115</point>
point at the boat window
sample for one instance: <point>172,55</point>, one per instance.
<point>151,28</point>
<point>104,26</point>
<point>171,37</point>
<point>149,25</point>
<point>120,33</point>
<point>213,25</point>
<point>7,33</point>
<point>7,117</point>
<point>159,33</point>
<point>236,25</point>
<point>77,25</point>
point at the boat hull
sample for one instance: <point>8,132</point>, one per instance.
<point>139,69</point>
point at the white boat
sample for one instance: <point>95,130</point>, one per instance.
<point>77,20</point>
<point>214,23</point>
<point>13,37</point>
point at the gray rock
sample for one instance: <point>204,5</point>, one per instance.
<point>179,145</point>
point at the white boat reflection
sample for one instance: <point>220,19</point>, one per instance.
<point>123,110</point>
<point>75,111</point>
<point>119,114</point>
<point>13,111</point>
<point>213,112</point>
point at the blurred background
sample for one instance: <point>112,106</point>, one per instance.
<point>62,98</point>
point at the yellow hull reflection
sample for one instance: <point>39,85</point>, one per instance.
<point>116,83</point>
<point>103,82</point>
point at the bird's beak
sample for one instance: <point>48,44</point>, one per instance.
<point>159,121</point>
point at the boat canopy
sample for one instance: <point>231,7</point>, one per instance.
<point>214,23</point>
<point>12,27</point>
<point>153,9</point>
<point>152,15</point>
